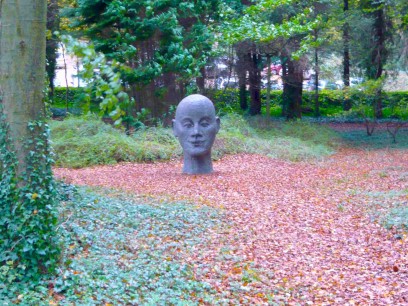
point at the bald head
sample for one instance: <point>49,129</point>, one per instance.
<point>195,103</point>
<point>195,126</point>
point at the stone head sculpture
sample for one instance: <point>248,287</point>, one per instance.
<point>195,126</point>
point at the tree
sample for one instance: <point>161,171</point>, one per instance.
<point>52,42</point>
<point>283,23</point>
<point>346,54</point>
<point>27,194</point>
<point>162,45</point>
<point>379,53</point>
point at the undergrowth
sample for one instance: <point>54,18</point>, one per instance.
<point>378,140</point>
<point>86,141</point>
<point>294,141</point>
<point>390,208</point>
<point>119,251</point>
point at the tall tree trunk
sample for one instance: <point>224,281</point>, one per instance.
<point>52,43</point>
<point>201,81</point>
<point>241,74</point>
<point>378,56</point>
<point>268,86</point>
<point>255,84</point>
<point>346,56</point>
<point>27,213</point>
<point>22,65</point>
<point>292,89</point>
<point>316,81</point>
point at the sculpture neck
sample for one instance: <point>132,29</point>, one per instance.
<point>197,164</point>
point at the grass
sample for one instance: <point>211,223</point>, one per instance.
<point>86,141</point>
<point>122,251</point>
<point>80,142</point>
<point>380,139</point>
<point>389,208</point>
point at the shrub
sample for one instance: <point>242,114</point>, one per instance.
<point>86,141</point>
<point>61,96</point>
<point>73,101</point>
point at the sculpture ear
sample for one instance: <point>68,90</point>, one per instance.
<point>218,122</point>
<point>173,125</point>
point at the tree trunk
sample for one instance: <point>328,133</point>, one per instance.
<point>379,52</point>
<point>255,84</point>
<point>292,89</point>
<point>52,43</point>
<point>201,81</point>
<point>243,61</point>
<point>379,56</point>
<point>241,74</point>
<point>346,56</point>
<point>27,194</point>
<point>22,65</point>
<point>268,86</point>
<point>317,71</point>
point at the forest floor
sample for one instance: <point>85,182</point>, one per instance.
<point>306,233</point>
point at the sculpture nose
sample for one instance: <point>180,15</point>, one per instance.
<point>196,130</point>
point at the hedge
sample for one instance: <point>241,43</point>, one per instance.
<point>59,99</point>
<point>227,101</point>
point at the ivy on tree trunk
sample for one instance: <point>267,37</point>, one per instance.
<point>27,195</point>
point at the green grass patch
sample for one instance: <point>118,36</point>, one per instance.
<point>123,251</point>
<point>294,141</point>
<point>87,141</point>
<point>397,218</point>
<point>80,142</point>
<point>380,139</point>
<point>389,208</point>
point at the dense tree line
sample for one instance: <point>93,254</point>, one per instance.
<point>166,47</point>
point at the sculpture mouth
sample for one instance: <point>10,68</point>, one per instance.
<point>198,143</point>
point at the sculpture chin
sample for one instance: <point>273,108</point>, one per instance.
<point>197,148</point>
<point>197,152</point>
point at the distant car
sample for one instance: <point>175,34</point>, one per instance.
<point>231,82</point>
<point>356,81</point>
<point>276,68</point>
<point>310,85</point>
<point>331,85</point>
<point>275,85</point>
<point>323,84</point>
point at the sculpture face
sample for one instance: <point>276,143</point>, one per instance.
<point>195,126</point>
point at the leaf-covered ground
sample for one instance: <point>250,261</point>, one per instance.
<point>300,233</point>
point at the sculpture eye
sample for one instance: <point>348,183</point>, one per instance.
<point>204,123</point>
<point>188,125</point>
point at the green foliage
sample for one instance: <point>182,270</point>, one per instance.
<point>28,244</point>
<point>121,251</point>
<point>133,251</point>
<point>86,141</point>
<point>104,81</point>
<point>293,141</point>
<point>397,218</point>
<point>157,47</point>
<point>331,103</point>
<point>255,22</point>
<point>62,97</point>
<point>379,140</point>
<point>389,207</point>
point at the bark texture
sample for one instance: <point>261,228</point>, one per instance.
<point>22,69</point>
<point>292,88</point>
